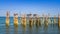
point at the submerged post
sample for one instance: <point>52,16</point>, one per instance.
<point>54,19</point>
<point>43,18</point>
<point>23,20</point>
<point>7,18</point>
<point>58,20</point>
<point>38,22</point>
<point>30,20</point>
<point>46,21</point>
<point>15,19</point>
<point>49,20</point>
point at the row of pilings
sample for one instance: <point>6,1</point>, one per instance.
<point>32,20</point>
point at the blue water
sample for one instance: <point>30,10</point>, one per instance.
<point>51,29</point>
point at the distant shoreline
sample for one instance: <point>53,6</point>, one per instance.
<point>10,16</point>
<point>28,17</point>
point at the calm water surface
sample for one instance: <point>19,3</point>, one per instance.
<point>51,29</point>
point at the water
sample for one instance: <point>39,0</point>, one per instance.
<point>51,29</point>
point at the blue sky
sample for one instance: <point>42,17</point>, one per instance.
<point>30,6</point>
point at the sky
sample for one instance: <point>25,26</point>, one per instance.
<point>30,6</point>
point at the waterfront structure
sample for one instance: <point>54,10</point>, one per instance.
<point>49,19</point>
<point>23,20</point>
<point>43,18</point>
<point>58,20</point>
<point>15,19</point>
<point>30,20</point>
<point>46,21</point>
<point>7,18</point>
<point>54,19</point>
<point>34,18</point>
<point>38,21</point>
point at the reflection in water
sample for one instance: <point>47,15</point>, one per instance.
<point>23,29</point>
<point>30,30</point>
<point>15,30</point>
<point>45,29</point>
<point>37,28</point>
<point>58,30</point>
<point>7,30</point>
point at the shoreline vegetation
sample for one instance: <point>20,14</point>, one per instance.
<point>34,19</point>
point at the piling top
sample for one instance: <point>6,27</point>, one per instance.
<point>23,15</point>
<point>59,16</point>
<point>55,16</point>
<point>34,14</point>
<point>7,14</point>
<point>15,14</point>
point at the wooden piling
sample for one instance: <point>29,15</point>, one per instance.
<point>7,18</point>
<point>15,19</point>
<point>58,20</point>
<point>23,20</point>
